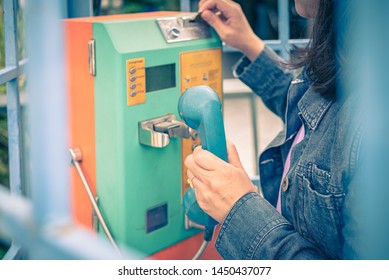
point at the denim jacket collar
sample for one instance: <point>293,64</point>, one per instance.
<point>313,107</point>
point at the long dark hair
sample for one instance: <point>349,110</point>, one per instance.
<point>319,57</point>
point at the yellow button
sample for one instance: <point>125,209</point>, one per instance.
<point>285,184</point>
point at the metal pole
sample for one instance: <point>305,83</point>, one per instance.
<point>15,143</point>
<point>283,26</point>
<point>13,101</point>
<point>76,155</point>
<point>50,190</point>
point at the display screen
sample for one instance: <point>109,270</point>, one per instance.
<point>160,77</point>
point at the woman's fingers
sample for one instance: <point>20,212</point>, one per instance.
<point>194,170</point>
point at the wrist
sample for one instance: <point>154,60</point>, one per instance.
<point>254,48</point>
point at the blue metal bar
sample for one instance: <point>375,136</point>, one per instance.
<point>13,102</point>
<point>50,190</point>
<point>8,73</point>
<point>276,44</point>
<point>13,253</point>
<point>185,5</point>
<point>283,26</point>
<point>12,72</point>
<point>15,146</point>
<point>297,42</point>
<point>255,130</point>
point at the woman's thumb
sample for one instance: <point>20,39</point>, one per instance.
<point>233,156</point>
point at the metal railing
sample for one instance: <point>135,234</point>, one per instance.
<point>10,75</point>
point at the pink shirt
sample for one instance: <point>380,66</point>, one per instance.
<point>299,137</point>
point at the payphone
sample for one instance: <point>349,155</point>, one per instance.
<point>125,76</point>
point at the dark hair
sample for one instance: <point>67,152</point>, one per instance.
<point>318,57</point>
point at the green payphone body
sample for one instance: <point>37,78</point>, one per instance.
<point>125,76</point>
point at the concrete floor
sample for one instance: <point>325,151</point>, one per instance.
<point>238,121</point>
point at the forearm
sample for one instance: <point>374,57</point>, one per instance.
<point>252,47</point>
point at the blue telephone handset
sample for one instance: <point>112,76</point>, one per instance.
<point>200,108</point>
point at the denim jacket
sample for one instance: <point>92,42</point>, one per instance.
<point>314,192</point>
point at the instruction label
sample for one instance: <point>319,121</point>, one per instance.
<point>136,81</point>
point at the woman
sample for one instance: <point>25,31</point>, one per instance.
<point>306,171</point>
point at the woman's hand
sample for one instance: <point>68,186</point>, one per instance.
<point>218,184</point>
<point>232,26</point>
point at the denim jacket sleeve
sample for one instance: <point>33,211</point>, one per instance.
<point>267,78</point>
<point>267,235</point>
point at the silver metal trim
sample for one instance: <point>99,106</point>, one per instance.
<point>183,28</point>
<point>149,137</point>
<point>158,131</point>
<point>76,155</point>
<point>189,224</point>
<point>92,57</point>
<point>95,219</point>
